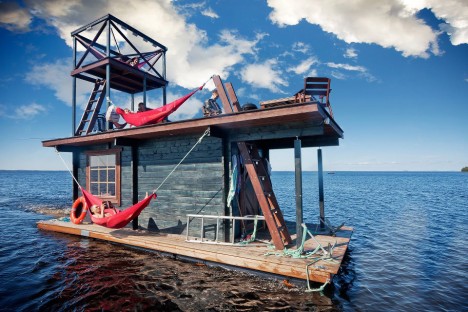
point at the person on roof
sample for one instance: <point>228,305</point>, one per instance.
<point>211,107</point>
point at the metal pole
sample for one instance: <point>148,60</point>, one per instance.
<point>164,76</point>
<point>299,211</point>
<point>133,103</point>
<point>144,89</point>
<point>108,126</point>
<point>74,90</point>
<point>320,181</point>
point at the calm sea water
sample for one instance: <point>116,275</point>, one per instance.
<point>408,252</point>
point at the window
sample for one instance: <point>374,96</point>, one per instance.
<point>103,174</point>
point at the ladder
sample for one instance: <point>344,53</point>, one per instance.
<point>92,109</point>
<point>266,197</point>
<point>258,174</point>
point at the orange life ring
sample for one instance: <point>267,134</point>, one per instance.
<point>79,210</point>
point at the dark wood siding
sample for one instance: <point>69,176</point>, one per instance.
<point>196,186</point>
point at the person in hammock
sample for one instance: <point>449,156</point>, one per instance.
<point>98,211</point>
<point>141,108</point>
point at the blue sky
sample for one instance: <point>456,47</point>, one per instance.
<point>399,71</point>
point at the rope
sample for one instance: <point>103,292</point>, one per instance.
<point>253,236</point>
<point>207,132</point>
<point>299,253</point>
<point>69,171</point>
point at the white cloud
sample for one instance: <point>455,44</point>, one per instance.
<point>390,24</point>
<point>56,76</point>
<point>301,47</point>
<point>29,111</point>
<point>304,66</point>
<point>210,13</point>
<point>362,71</point>
<point>350,53</point>
<point>13,17</point>
<point>264,75</point>
<point>347,67</point>
<point>192,60</point>
<point>454,12</point>
<point>338,75</point>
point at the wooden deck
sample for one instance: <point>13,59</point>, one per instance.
<point>251,256</point>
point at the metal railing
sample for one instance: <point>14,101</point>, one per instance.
<point>217,218</point>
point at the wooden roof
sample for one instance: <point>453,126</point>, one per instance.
<point>275,127</point>
<point>124,77</point>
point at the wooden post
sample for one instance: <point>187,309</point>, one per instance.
<point>299,211</point>
<point>227,170</point>
<point>134,167</point>
<point>75,165</point>
<point>320,181</point>
<point>222,94</point>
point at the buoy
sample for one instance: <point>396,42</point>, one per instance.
<point>79,210</point>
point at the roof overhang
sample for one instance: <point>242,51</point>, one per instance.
<point>273,128</point>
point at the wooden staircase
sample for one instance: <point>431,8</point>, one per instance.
<point>263,188</point>
<point>90,114</point>
<point>258,174</point>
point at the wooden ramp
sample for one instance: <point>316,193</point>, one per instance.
<point>251,256</point>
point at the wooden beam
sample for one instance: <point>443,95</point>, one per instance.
<point>217,132</point>
<point>76,165</point>
<point>261,118</point>
<point>222,94</point>
<point>134,168</point>
<point>234,100</point>
<point>69,149</point>
<point>123,141</point>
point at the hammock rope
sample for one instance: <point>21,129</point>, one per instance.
<point>207,132</point>
<point>66,166</point>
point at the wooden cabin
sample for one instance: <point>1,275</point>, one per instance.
<point>123,165</point>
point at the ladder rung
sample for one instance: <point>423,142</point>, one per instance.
<point>92,101</point>
<point>89,110</point>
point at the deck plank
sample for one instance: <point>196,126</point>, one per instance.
<point>251,256</point>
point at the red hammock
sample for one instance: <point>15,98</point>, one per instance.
<point>116,219</point>
<point>155,115</point>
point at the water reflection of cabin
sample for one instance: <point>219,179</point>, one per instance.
<point>122,165</point>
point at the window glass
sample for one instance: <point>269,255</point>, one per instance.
<point>102,174</point>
